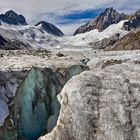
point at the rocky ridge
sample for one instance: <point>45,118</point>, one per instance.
<point>105,19</point>
<point>50,28</point>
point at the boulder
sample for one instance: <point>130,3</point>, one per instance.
<point>100,105</point>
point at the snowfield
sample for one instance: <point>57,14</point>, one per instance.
<point>38,38</point>
<point>33,35</point>
<point>94,35</point>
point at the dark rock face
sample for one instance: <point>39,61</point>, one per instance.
<point>133,22</point>
<point>50,28</point>
<point>16,45</point>
<point>6,44</point>
<point>2,41</point>
<point>13,18</point>
<point>105,19</point>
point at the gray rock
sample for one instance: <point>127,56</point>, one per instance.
<point>101,105</point>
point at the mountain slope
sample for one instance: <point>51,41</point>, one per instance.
<point>86,39</point>
<point>129,42</point>
<point>50,28</point>
<point>6,44</point>
<point>105,19</point>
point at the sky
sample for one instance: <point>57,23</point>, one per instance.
<point>67,15</point>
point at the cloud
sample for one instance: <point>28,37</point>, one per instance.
<point>69,29</point>
<point>78,15</point>
<point>65,13</point>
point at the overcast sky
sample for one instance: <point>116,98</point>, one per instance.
<point>66,14</point>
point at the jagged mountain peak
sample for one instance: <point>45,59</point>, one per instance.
<point>11,13</point>
<point>105,19</point>
<point>50,28</point>
<point>11,17</point>
<point>113,13</point>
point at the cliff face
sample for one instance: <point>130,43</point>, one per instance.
<point>10,80</point>
<point>36,104</point>
<point>28,100</point>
